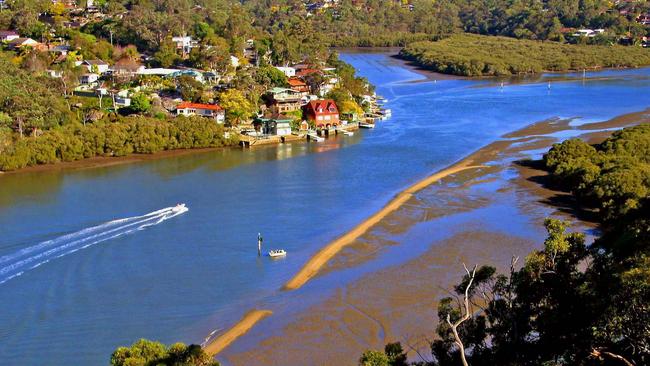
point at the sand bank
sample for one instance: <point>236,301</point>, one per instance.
<point>311,268</point>
<point>246,323</point>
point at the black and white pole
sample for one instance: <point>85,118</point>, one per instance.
<point>259,244</point>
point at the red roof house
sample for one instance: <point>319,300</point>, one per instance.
<point>203,110</point>
<point>298,85</point>
<point>323,113</point>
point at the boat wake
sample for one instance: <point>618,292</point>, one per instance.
<point>15,264</point>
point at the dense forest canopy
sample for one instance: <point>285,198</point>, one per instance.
<point>475,55</point>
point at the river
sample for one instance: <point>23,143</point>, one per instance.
<point>77,283</point>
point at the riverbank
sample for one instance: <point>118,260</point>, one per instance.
<point>391,304</point>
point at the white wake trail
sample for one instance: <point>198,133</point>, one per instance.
<point>67,244</point>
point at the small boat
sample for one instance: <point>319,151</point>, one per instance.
<point>366,125</point>
<point>275,253</point>
<point>179,207</point>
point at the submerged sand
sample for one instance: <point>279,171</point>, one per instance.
<point>398,303</point>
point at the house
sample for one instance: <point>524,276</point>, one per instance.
<point>288,71</point>
<point>588,32</point>
<point>198,76</point>
<point>121,101</point>
<point>126,68</point>
<point>285,100</point>
<point>299,86</point>
<point>88,78</point>
<point>185,43</point>
<point>8,36</point>
<point>203,110</point>
<point>96,66</point>
<point>18,43</point>
<point>274,124</point>
<point>322,112</point>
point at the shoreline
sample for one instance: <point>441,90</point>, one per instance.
<point>106,161</point>
<point>240,328</point>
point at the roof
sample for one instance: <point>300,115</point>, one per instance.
<point>20,41</point>
<point>96,62</point>
<point>322,103</point>
<point>296,82</point>
<point>212,107</point>
<point>305,72</point>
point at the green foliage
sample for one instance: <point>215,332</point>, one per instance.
<point>237,106</point>
<point>474,55</point>
<point>190,89</point>
<point>145,352</point>
<point>270,76</point>
<point>105,138</point>
<point>140,103</point>
<point>613,177</point>
<point>393,355</point>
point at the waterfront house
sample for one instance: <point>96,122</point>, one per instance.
<point>8,36</point>
<point>204,110</point>
<point>284,100</point>
<point>322,112</point>
<point>273,124</point>
<point>96,66</point>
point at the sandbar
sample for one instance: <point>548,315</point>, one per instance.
<point>311,268</point>
<point>239,329</point>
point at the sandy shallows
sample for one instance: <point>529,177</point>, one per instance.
<point>246,323</point>
<point>311,268</point>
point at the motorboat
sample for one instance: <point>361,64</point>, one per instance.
<point>275,253</point>
<point>179,207</point>
<point>366,125</point>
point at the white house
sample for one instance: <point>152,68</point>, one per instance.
<point>96,66</point>
<point>185,43</point>
<point>288,71</point>
<point>204,110</point>
<point>89,78</point>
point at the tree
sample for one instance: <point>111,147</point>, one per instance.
<point>190,89</point>
<point>140,103</point>
<point>146,352</point>
<point>237,106</point>
<point>166,55</point>
<point>269,76</point>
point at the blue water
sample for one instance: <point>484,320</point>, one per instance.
<point>177,279</point>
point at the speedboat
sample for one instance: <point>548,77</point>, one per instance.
<point>275,253</point>
<point>179,207</point>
